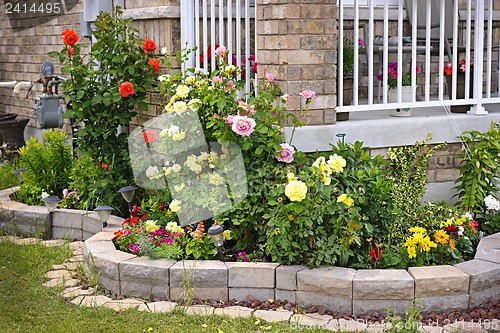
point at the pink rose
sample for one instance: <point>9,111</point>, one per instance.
<point>308,94</point>
<point>285,98</point>
<point>230,85</point>
<point>229,119</point>
<point>220,51</point>
<point>269,77</point>
<point>286,153</point>
<point>243,125</point>
<point>217,79</point>
<point>249,110</point>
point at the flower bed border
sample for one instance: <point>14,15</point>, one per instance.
<point>439,288</point>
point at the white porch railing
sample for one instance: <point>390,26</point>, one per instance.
<point>230,23</point>
<point>421,47</point>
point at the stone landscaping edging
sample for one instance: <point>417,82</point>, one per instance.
<point>439,288</point>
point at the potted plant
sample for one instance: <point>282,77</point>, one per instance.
<point>460,92</point>
<point>406,88</point>
<point>348,70</point>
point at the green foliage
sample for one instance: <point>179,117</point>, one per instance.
<point>7,179</point>
<point>411,323</point>
<point>338,219</point>
<point>117,56</point>
<point>479,175</point>
<point>47,166</point>
<point>408,176</point>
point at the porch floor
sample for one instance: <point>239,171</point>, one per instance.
<point>377,129</point>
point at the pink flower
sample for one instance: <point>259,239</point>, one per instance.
<point>229,119</point>
<point>65,192</point>
<point>285,98</point>
<point>269,77</point>
<point>254,67</point>
<point>230,85</point>
<point>220,51</point>
<point>308,94</point>
<point>216,115</point>
<point>243,125</point>
<point>217,79</point>
<point>249,109</point>
<point>286,153</point>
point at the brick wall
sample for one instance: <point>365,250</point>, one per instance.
<point>296,41</point>
<point>22,51</point>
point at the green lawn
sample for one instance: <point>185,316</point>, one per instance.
<point>27,306</point>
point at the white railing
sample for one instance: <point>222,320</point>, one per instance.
<point>230,23</point>
<point>470,38</point>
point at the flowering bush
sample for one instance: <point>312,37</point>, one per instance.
<point>105,87</point>
<point>491,215</point>
<point>392,76</point>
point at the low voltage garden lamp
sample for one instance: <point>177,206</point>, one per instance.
<point>128,194</point>
<point>104,213</point>
<point>19,174</point>
<point>216,233</point>
<point>51,203</point>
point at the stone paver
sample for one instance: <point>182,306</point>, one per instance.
<point>161,307</point>
<point>311,319</point>
<point>273,316</point>
<point>8,238</point>
<point>78,258</point>
<point>59,274</point>
<point>77,291</point>
<point>61,282</point>
<point>93,301</point>
<point>53,242</point>
<point>199,310</point>
<point>234,311</point>
<point>123,304</point>
<point>76,245</point>
<point>346,325</point>
<point>26,241</point>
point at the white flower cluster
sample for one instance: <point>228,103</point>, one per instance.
<point>492,203</point>
<point>197,163</point>
<point>152,172</point>
<point>174,132</point>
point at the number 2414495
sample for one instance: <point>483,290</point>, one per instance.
<point>35,8</point>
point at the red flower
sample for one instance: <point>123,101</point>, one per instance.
<point>149,136</point>
<point>104,166</point>
<point>70,37</point>
<point>149,46</point>
<point>118,234</point>
<point>375,254</point>
<point>155,64</point>
<point>126,89</point>
<point>450,230</point>
<point>136,211</point>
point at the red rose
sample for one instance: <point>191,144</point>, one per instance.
<point>70,51</point>
<point>149,136</point>
<point>126,89</point>
<point>70,37</point>
<point>149,46</point>
<point>155,64</point>
<point>104,166</point>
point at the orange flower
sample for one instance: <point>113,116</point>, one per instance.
<point>149,136</point>
<point>155,64</point>
<point>149,46</point>
<point>452,244</point>
<point>126,89</point>
<point>70,37</point>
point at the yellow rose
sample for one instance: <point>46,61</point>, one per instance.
<point>182,91</point>
<point>179,188</point>
<point>296,190</point>
<point>190,79</point>
<point>290,176</point>
<point>194,104</point>
<point>151,226</point>
<point>345,199</point>
<point>227,235</point>
<point>336,163</point>
<point>176,168</point>
<point>179,107</point>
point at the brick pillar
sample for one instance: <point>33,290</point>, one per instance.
<point>297,42</point>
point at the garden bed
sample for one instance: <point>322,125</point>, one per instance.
<point>439,288</point>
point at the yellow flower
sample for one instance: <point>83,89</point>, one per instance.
<point>325,170</point>
<point>452,244</point>
<point>447,223</point>
<point>345,199</point>
<point>216,179</point>
<point>182,91</point>
<point>179,107</point>
<point>194,104</point>
<point>175,205</point>
<point>178,136</point>
<point>290,218</point>
<point>176,168</point>
<point>179,230</point>
<point>426,244</point>
<point>276,231</point>
<point>336,163</point>
<point>190,79</point>
<point>227,235</point>
<point>327,180</point>
<point>410,242</point>
<point>441,237</point>
<point>296,190</point>
<point>419,230</point>
<point>151,226</point>
<point>290,176</point>
<point>319,161</point>
<point>412,253</point>
<point>179,188</point>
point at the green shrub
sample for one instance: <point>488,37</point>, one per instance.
<point>47,166</point>
<point>7,179</point>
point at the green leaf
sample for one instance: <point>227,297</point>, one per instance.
<point>143,106</point>
<point>80,94</point>
<point>96,100</point>
<point>53,54</point>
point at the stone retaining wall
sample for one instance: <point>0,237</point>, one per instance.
<point>439,288</point>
